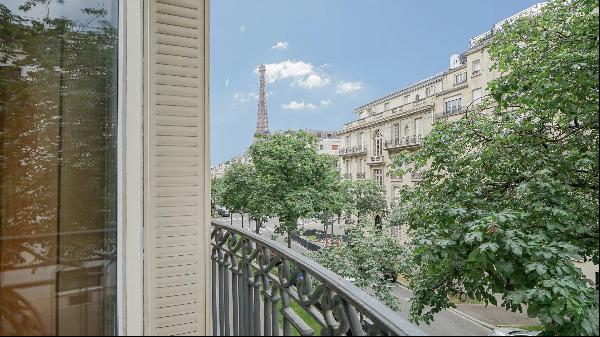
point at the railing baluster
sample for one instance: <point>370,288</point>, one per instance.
<point>243,291</point>
<point>256,312</point>
<point>215,316</point>
<point>235,303</point>
<point>225,311</point>
<point>222,287</point>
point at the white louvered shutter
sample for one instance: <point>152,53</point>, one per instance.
<point>177,224</point>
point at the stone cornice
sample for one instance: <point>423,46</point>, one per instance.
<point>384,119</point>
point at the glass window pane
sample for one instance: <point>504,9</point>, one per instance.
<point>58,104</point>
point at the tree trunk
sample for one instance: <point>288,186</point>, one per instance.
<point>243,220</point>
<point>257,226</point>
<point>231,218</point>
<point>289,239</point>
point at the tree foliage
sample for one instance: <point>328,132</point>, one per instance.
<point>509,196</point>
<point>365,197</point>
<point>295,179</point>
<point>371,261</point>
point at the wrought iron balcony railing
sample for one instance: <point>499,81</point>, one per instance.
<point>402,142</point>
<point>360,175</point>
<point>257,280</point>
<point>347,176</point>
<point>353,150</point>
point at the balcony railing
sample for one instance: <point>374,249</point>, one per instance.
<point>360,175</point>
<point>256,280</point>
<point>353,150</point>
<point>375,160</point>
<point>402,142</point>
<point>452,112</point>
<point>347,176</point>
<point>416,176</point>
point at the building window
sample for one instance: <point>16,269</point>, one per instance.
<point>360,139</point>
<point>320,146</point>
<point>430,91</point>
<point>418,126</point>
<point>334,147</point>
<point>476,67</point>
<point>378,143</point>
<point>417,98</point>
<point>58,171</point>
<point>386,106</point>
<point>396,131</point>
<point>452,105</point>
<point>476,96</point>
<point>460,78</point>
<point>406,130</point>
<point>347,141</point>
<point>378,176</point>
<point>406,98</point>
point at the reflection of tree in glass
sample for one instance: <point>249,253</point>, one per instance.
<point>57,149</point>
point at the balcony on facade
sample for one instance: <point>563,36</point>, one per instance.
<point>403,142</point>
<point>347,176</point>
<point>395,177</point>
<point>259,287</point>
<point>353,150</point>
<point>360,175</point>
<point>449,113</point>
<point>375,160</point>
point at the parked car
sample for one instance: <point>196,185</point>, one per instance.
<point>224,212</point>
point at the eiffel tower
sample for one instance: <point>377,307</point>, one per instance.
<point>262,120</point>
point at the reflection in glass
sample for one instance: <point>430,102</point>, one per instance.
<point>58,103</point>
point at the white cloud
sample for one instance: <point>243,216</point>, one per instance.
<point>242,29</point>
<point>301,73</point>
<point>244,97</point>
<point>227,82</point>
<point>281,45</point>
<point>313,81</point>
<point>347,87</point>
<point>326,102</point>
<point>293,105</point>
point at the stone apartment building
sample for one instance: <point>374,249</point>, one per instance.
<point>328,142</point>
<point>400,121</point>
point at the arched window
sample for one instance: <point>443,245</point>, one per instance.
<point>378,143</point>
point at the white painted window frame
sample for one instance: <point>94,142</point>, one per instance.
<point>130,178</point>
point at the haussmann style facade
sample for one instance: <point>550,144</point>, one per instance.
<point>400,121</point>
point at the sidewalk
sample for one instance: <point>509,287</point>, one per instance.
<point>489,317</point>
<point>496,315</point>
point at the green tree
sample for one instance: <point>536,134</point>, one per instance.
<point>509,196</point>
<point>237,188</point>
<point>216,191</point>
<point>294,177</point>
<point>365,198</point>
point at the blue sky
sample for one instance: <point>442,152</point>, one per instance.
<point>326,57</point>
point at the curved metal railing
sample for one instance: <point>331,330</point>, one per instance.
<point>260,287</point>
